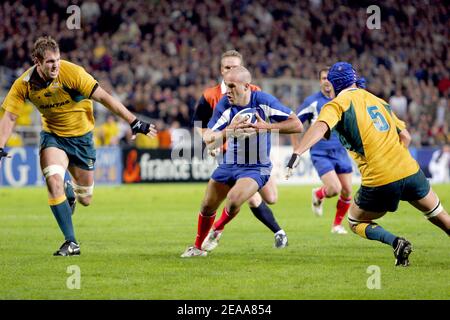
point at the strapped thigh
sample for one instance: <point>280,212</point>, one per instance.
<point>54,169</point>
<point>83,191</point>
<point>435,211</point>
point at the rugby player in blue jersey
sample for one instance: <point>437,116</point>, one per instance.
<point>245,168</point>
<point>329,157</point>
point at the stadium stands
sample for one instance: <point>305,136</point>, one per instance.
<point>157,57</point>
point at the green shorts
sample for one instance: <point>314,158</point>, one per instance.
<point>387,197</point>
<point>79,150</point>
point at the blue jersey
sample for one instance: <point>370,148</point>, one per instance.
<point>255,150</point>
<point>309,111</point>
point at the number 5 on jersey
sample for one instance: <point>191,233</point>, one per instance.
<point>378,119</point>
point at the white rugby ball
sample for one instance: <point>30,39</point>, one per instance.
<point>248,114</point>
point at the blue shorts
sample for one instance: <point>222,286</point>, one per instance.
<point>387,197</point>
<point>79,150</point>
<point>229,174</point>
<point>328,160</point>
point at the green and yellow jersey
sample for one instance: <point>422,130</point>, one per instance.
<point>369,129</point>
<point>64,103</point>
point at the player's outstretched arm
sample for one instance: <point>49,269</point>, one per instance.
<point>295,140</point>
<point>7,123</point>
<point>116,107</point>
<point>316,132</point>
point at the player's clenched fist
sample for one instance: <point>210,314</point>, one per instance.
<point>138,126</point>
<point>292,164</point>
<point>3,153</point>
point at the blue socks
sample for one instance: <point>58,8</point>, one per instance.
<point>63,215</point>
<point>376,232</point>
<point>264,214</point>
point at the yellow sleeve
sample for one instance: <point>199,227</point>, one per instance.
<point>78,79</point>
<point>331,114</point>
<point>15,99</point>
<point>401,125</point>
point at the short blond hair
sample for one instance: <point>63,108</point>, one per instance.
<point>41,45</point>
<point>232,53</point>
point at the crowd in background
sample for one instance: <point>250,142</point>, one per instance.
<point>158,56</point>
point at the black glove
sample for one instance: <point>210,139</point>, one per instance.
<point>138,126</point>
<point>292,164</point>
<point>3,153</point>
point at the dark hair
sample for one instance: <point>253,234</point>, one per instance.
<point>41,45</point>
<point>323,70</point>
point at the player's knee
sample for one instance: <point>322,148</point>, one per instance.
<point>271,198</point>
<point>54,177</point>
<point>207,209</point>
<point>353,224</point>
<point>346,192</point>
<point>352,227</point>
<point>254,201</point>
<point>85,201</point>
<point>83,193</point>
<point>234,201</point>
<point>55,185</point>
<point>334,189</point>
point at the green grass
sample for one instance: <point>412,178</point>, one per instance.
<point>132,236</point>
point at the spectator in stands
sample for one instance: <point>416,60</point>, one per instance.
<point>439,165</point>
<point>163,136</point>
<point>110,131</point>
<point>399,104</point>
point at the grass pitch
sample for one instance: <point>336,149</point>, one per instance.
<point>132,236</point>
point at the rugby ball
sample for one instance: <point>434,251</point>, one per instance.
<point>248,114</point>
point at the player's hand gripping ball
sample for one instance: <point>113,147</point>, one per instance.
<point>241,130</point>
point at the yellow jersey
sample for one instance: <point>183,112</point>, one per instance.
<point>368,128</point>
<point>64,102</point>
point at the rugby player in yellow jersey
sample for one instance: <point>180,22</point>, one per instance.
<point>62,92</point>
<point>378,141</point>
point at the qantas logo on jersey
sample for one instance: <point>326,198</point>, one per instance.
<point>54,105</point>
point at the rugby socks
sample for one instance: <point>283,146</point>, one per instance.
<point>70,194</point>
<point>63,215</point>
<point>264,214</point>
<point>203,227</point>
<point>320,193</point>
<point>372,231</point>
<point>341,209</point>
<point>224,219</point>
